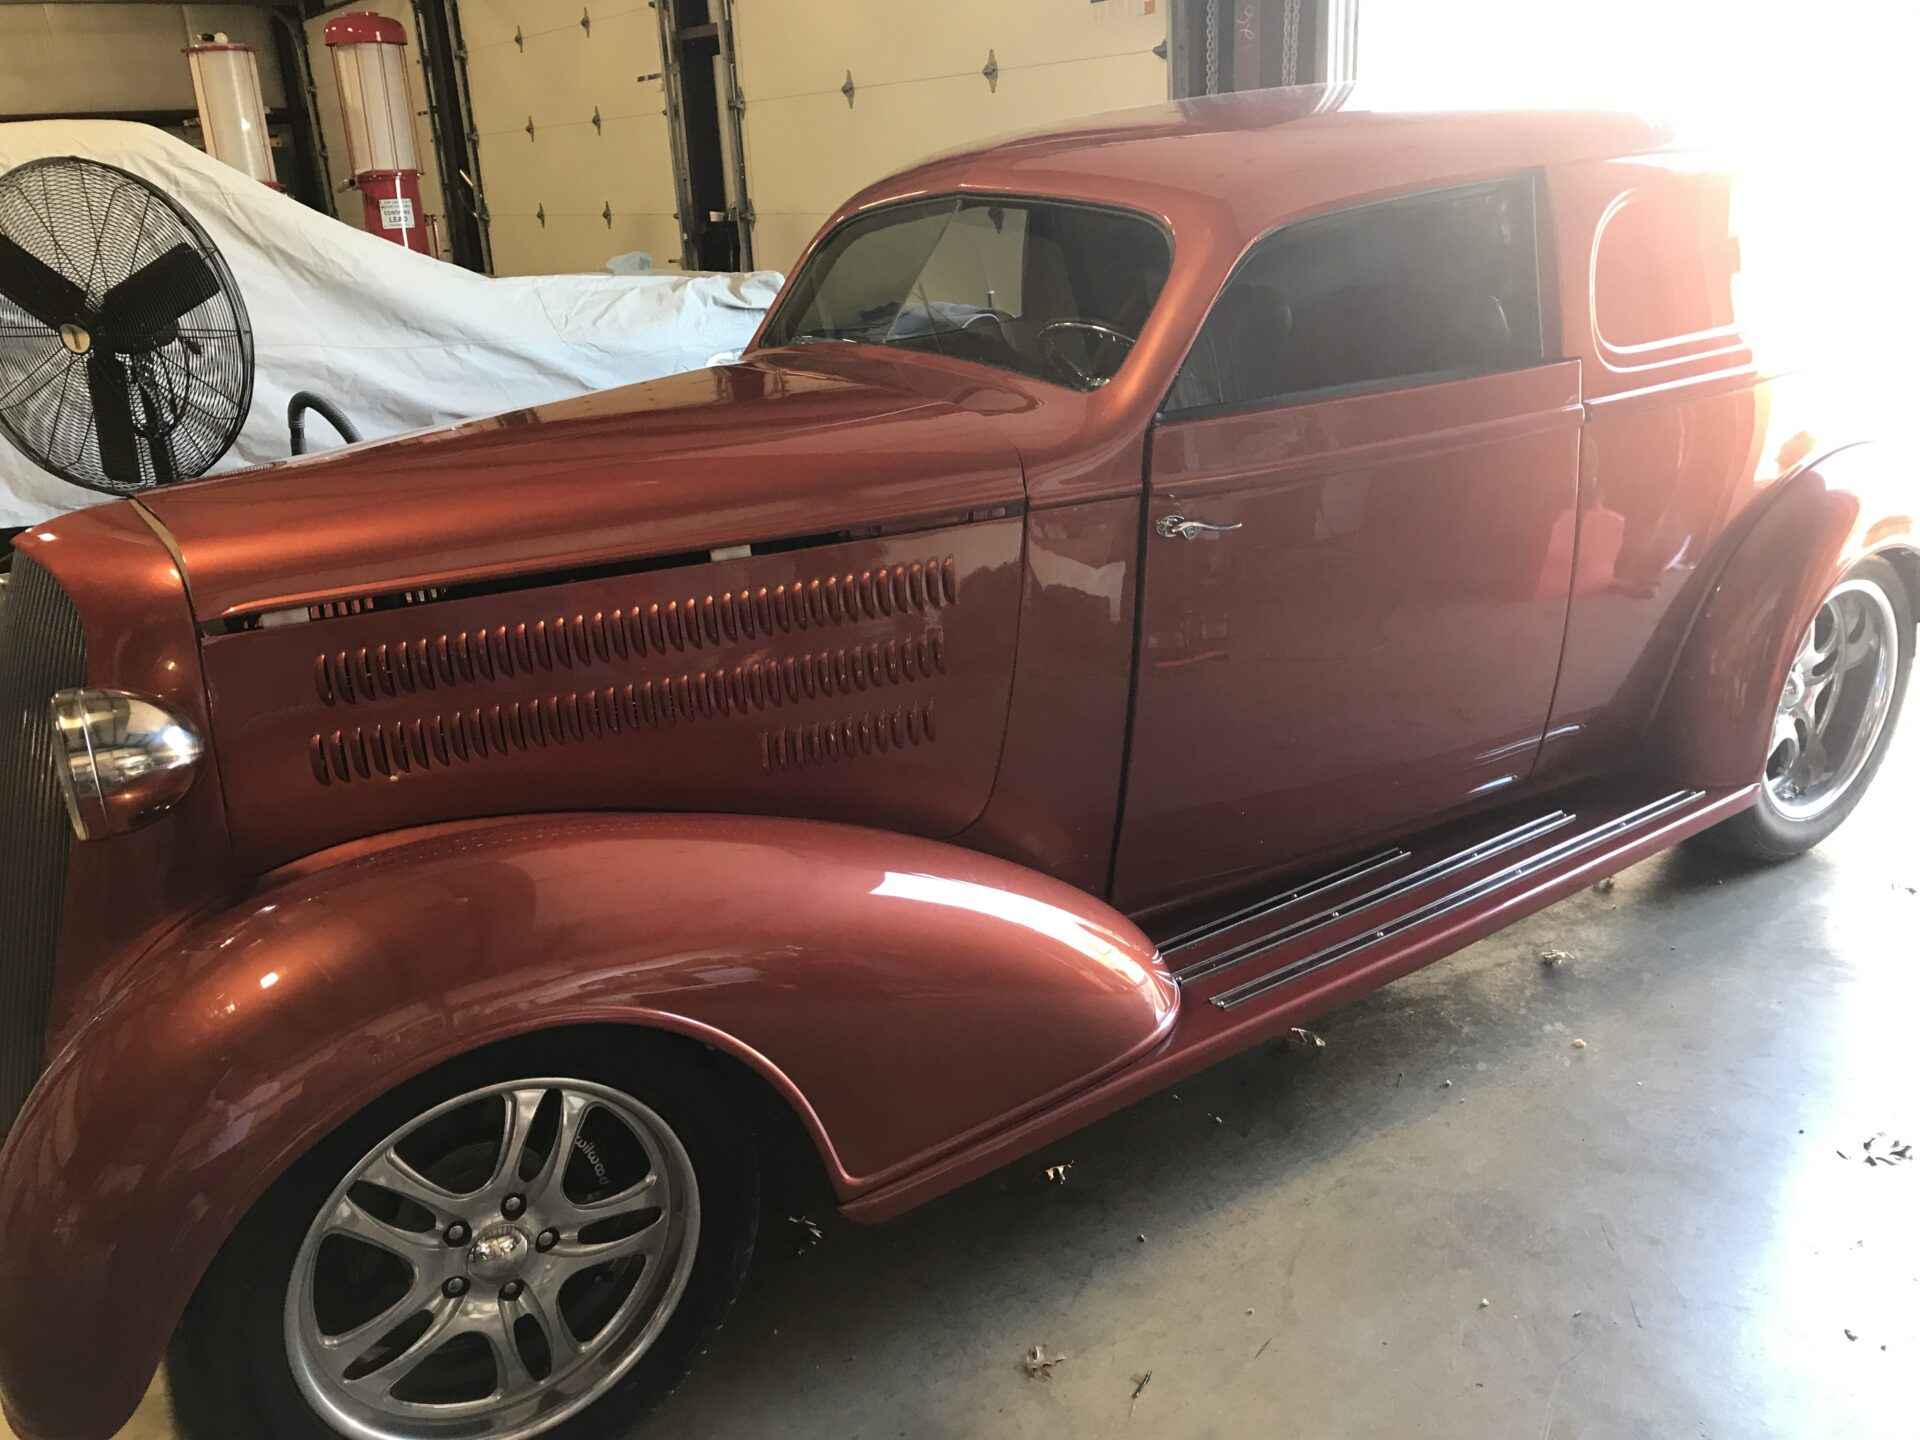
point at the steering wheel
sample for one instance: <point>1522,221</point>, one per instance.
<point>1060,360</point>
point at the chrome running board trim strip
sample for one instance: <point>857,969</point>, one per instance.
<point>1187,939</point>
<point>1413,880</point>
<point>1466,894</point>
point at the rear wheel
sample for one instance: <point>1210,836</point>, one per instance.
<point>503,1249</point>
<point>1834,718</point>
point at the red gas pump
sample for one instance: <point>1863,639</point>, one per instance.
<point>376,104</point>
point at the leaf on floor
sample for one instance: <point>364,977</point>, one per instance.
<point>1057,1174</point>
<point>1139,1384</point>
<point>1038,1362</point>
<point>1308,1038</point>
<point>1554,959</point>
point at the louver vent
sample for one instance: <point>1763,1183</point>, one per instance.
<point>677,627</point>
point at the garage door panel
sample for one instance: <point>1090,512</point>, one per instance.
<point>635,167</point>
<point>502,92</point>
<point>790,48</point>
<point>576,243</point>
<point>918,89</point>
<point>574,168</point>
<point>485,23</point>
<point>779,240</point>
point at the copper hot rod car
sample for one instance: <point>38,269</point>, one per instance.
<point>1147,583</point>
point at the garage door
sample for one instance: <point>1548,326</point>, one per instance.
<point>566,191</point>
<point>918,87</point>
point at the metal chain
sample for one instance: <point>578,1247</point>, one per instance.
<point>1290,44</point>
<point>1212,82</point>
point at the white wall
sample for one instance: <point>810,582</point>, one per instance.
<point>88,59</point>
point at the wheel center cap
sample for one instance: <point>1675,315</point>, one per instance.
<point>497,1254</point>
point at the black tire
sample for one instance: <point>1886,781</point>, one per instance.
<point>229,1368</point>
<point>1762,834</point>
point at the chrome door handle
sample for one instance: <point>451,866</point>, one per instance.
<point>1179,527</point>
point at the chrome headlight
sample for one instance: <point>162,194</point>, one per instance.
<point>123,759</point>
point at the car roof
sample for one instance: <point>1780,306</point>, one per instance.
<point>1265,156</point>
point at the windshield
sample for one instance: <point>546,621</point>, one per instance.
<point>1051,290</point>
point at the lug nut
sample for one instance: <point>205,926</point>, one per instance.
<point>512,1206</point>
<point>455,1287</point>
<point>511,1290</point>
<point>546,1240</point>
<point>457,1234</point>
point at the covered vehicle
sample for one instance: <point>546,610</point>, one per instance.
<point>396,340</point>
<point>1146,583</point>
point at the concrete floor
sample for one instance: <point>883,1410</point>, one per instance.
<point>1450,1221</point>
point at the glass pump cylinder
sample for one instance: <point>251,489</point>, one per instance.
<point>233,116</point>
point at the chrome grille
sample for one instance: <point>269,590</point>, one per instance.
<point>42,649</point>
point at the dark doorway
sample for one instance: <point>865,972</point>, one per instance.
<point>715,220</point>
<point>436,23</point>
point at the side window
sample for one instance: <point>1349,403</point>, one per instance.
<point>1430,287</point>
<point>1665,265</point>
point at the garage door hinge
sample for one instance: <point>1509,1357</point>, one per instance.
<point>540,214</point>
<point>992,71</point>
<point>529,127</point>
<point>586,22</point>
<point>596,121</point>
<point>519,40</point>
<point>847,89</point>
<point>606,213</point>
<point>1161,49</point>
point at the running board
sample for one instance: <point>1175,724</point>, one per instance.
<point>1480,874</point>
<point>1381,895</point>
<point>1484,887</point>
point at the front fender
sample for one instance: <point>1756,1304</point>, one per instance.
<point>901,994</point>
<point>1716,717</point>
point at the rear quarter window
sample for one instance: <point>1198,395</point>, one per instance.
<point>1664,264</point>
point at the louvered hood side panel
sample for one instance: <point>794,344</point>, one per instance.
<point>865,681</point>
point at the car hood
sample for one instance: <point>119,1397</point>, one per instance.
<point>726,456</point>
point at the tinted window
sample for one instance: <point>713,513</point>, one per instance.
<point>1430,287</point>
<point>1051,290</point>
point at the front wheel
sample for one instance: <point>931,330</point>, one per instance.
<point>1834,719</point>
<point>502,1249</point>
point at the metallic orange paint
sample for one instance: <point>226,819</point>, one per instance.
<point>956,623</point>
<point>864,961</point>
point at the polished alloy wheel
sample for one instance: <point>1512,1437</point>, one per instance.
<point>493,1266</point>
<point>1835,702</point>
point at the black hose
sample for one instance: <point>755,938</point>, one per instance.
<point>297,407</point>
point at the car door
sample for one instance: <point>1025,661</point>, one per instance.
<point>1361,504</point>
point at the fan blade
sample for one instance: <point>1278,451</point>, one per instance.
<point>156,295</point>
<point>37,288</point>
<point>107,382</point>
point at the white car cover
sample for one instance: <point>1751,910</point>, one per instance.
<point>396,340</point>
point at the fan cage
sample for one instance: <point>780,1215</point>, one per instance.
<point>97,225</point>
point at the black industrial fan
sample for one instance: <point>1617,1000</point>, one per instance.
<point>126,359</point>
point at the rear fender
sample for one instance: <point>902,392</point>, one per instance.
<point>902,995</point>
<point>1716,718</point>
